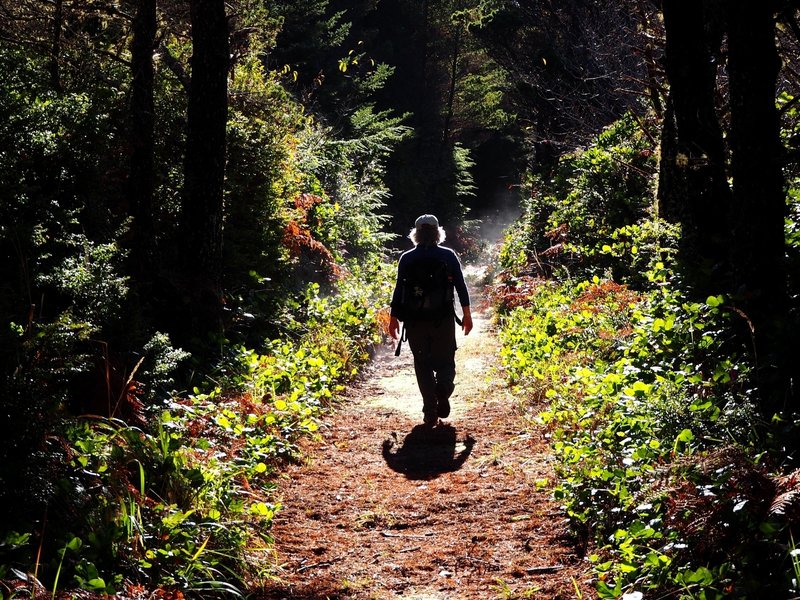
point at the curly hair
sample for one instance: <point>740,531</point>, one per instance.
<point>426,235</point>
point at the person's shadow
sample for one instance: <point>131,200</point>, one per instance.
<point>426,452</point>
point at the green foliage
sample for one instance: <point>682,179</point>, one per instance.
<point>375,80</point>
<point>262,178</point>
<point>306,209</point>
<point>183,502</point>
<point>89,277</point>
<point>351,170</point>
<point>311,34</point>
<point>482,98</point>
<point>61,285</point>
<point>159,516</point>
<point>634,383</point>
<point>593,214</point>
<point>648,397</point>
<point>464,183</point>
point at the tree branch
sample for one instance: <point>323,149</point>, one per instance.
<point>174,65</point>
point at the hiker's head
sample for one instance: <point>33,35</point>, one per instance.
<point>426,231</point>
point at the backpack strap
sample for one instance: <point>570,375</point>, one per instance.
<point>403,338</point>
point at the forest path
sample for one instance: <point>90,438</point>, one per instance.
<point>386,508</point>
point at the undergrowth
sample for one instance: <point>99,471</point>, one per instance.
<point>129,467</point>
<point>664,461</point>
<point>185,502</point>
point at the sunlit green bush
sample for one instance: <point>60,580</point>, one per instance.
<point>593,215</point>
<point>666,466</point>
<point>632,382</point>
<point>185,501</point>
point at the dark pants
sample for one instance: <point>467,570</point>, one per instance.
<point>433,344</point>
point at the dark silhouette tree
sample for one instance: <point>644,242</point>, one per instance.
<point>204,175</point>
<point>733,237</point>
<point>141,179</point>
<point>55,46</point>
<point>693,186</point>
<point>759,200</point>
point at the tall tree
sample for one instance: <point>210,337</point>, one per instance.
<point>55,46</point>
<point>204,175</point>
<point>693,186</point>
<point>759,201</point>
<point>141,180</point>
<point>733,235</point>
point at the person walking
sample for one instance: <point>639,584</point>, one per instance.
<point>423,300</point>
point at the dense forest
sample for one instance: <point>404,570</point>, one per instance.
<point>202,205</point>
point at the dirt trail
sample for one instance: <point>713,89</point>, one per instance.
<point>385,508</point>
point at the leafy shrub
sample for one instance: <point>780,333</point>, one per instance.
<point>351,171</point>
<point>668,470</point>
<point>302,211</point>
<point>182,502</point>
<point>633,382</point>
<point>61,283</point>
<point>664,457</point>
<point>592,214</point>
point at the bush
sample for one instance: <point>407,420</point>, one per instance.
<point>635,383</point>
<point>664,461</point>
<point>593,214</point>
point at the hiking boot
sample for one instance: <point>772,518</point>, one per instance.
<point>430,411</point>
<point>444,408</point>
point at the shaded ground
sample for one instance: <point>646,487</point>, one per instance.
<point>385,508</point>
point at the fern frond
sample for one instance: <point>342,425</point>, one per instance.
<point>782,502</point>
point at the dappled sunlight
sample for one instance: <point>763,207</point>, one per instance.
<point>414,511</point>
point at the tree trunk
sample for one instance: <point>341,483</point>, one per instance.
<point>445,147</point>
<point>451,92</point>
<point>202,209</point>
<point>55,46</point>
<point>759,205</point>
<point>671,194</point>
<point>650,61</point>
<point>423,63</point>
<point>141,183</point>
<point>697,157</point>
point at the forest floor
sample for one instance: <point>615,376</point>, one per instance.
<point>384,507</point>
